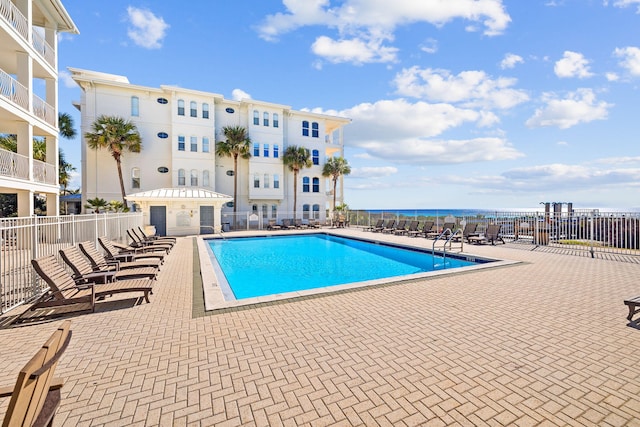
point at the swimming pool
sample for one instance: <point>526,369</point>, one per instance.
<point>250,267</point>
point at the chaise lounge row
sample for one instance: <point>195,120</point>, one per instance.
<point>291,224</point>
<point>431,231</point>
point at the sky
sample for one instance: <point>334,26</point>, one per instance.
<point>487,104</point>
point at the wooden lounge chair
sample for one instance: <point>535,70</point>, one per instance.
<point>298,224</point>
<point>314,223</point>
<point>129,253</point>
<point>389,227</point>
<point>155,237</point>
<point>413,227</point>
<point>401,225</point>
<point>83,271</point>
<point>468,231</point>
<point>447,229</point>
<point>403,228</point>
<point>633,304</point>
<point>491,235</point>
<point>271,225</point>
<point>287,224</point>
<point>378,225</point>
<point>426,227</point>
<point>138,242</point>
<point>100,262</point>
<point>35,397</point>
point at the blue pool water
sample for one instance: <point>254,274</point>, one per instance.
<point>277,264</point>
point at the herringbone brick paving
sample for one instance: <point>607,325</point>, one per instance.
<point>544,342</point>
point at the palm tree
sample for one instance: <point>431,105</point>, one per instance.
<point>64,171</point>
<point>97,204</point>
<point>296,158</point>
<point>237,145</point>
<point>116,135</point>
<point>65,125</point>
<point>334,169</point>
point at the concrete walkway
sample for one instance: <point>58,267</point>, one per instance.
<point>544,342</point>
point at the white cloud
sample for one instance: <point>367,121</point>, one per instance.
<point>373,172</point>
<point>358,51</point>
<point>362,26</point>
<point>65,78</point>
<point>630,59</point>
<point>625,3</point>
<point>578,107</point>
<point>510,60</point>
<point>239,95</point>
<point>429,46</point>
<point>612,77</point>
<point>147,29</point>
<point>470,88</point>
<point>572,64</point>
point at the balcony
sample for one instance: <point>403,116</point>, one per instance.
<point>12,15</point>
<point>18,94</point>
<point>13,165</point>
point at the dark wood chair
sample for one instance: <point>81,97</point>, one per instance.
<point>36,395</point>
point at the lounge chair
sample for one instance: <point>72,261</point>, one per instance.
<point>271,225</point>
<point>84,272</point>
<point>123,253</point>
<point>155,237</point>
<point>314,223</point>
<point>138,242</point>
<point>287,224</point>
<point>491,235</point>
<point>413,227</point>
<point>401,228</point>
<point>421,231</point>
<point>66,296</point>
<point>468,231</point>
<point>36,396</point>
<point>298,224</point>
<point>389,227</point>
<point>633,304</point>
<point>378,225</point>
<point>447,229</point>
<point>100,262</point>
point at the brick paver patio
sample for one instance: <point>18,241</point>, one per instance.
<point>544,342</point>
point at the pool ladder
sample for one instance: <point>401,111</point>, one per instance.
<point>446,239</point>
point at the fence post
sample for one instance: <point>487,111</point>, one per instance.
<point>591,234</point>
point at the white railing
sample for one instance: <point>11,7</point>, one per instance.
<point>13,90</point>
<point>248,220</point>
<point>41,46</point>
<point>44,172</point>
<point>23,239</point>
<point>14,165</point>
<point>10,13</point>
<point>43,110</point>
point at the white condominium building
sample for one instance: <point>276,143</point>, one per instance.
<point>29,98</point>
<point>179,129</point>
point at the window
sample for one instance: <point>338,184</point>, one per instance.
<point>305,184</point>
<point>316,185</point>
<point>265,150</point>
<point>162,101</point>
<point>181,143</point>
<point>256,180</point>
<point>135,106</point>
<point>205,144</point>
<point>316,157</point>
<point>163,169</point>
<point>276,151</point>
<point>266,181</point>
<point>315,130</point>
<point>316,211</point>
<point>256,117</point>
<point>205,110</point>
<point>193,109</point>
<point>180,107</point>
<point>194,143</point>
<point>265,119</point>
<point>256,149</point>
<point>229,110</point>
<point>274,211</point>
<point>264,211</point>
<point>305,211</point>
<point>194,178</point>
<point>305,128</point>
<point>205,178</point>
<point>163,135</point>
<point>276,122</point>
<point>254,209</point>
<point>276,181</point>
<point>135,178</point>
<point>181,177</point>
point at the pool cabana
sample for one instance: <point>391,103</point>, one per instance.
<point>181,211</point>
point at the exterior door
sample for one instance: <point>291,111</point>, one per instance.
<point>206,220</point>
<point>158,218</point>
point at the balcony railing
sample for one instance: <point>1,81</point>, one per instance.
<point>15,165</point>
<point>43,48</point>
<point>43,110</point>
<point>12,15</point>
<point>15,92</point>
